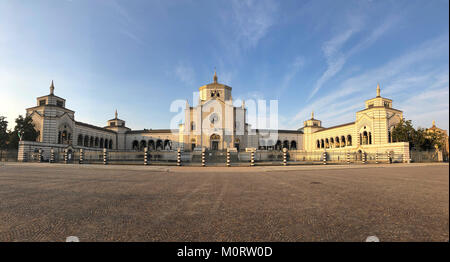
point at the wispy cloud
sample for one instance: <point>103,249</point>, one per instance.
<point>336,57</point>
<point>185,73</point>
<point>252,19</point>
<point>419,92</point>
<point>129,26</point>
<point>293,69</point>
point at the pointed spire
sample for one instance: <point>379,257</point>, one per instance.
<point>215,76</point>
<point>378,90</point>
<point>312,114</point>
<point>116,114</point>
<point>52,88</point>
<point>434,123</point>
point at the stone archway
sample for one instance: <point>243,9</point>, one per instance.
<point>214,142</point>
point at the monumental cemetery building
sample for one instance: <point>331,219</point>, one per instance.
<point>215,124</point>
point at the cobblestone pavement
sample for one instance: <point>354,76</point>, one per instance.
<point>43,202</point>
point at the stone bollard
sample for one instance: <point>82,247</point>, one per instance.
<point>228,157</point>
<point>40,155</point>
<point>324,158</point>
<point>376,158</point>
<point>389,157</point>
<point>203,157</point>
<point>81,156</point>
<point>146,156</point>
<point>52,155</point>
<point>348,158</point>
<point>65,156</point>
<point>364,160</point>
<point>252,158</point>
<point>179,157</point>
<point>105,156</point>
<point>284,156</point>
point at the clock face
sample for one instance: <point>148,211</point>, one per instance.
<point>213,118</point>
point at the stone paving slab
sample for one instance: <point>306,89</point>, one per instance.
<point>398,202</point>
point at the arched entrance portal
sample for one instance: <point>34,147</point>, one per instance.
<point>214,140</point>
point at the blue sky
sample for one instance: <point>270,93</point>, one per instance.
<point>139,56</point>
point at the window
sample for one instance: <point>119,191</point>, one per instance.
<point>42,102</point>
<point>370,105</point>
<point>112,123</point>
<point>386,104</point>
<point>59,103</point>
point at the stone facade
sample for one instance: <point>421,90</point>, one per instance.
<point>215,123</point>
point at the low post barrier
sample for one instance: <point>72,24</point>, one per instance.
<point>252,158</point>
<point>65,156</point>
<point>284,156</point>
<point>146,156</point>
<point>324,158</point>
<point>376,158</point>
<point>203,157</point>
<point>52,155</point>
<point>348,157</point>
<point>389,157</point>
<point>228,157</point>
<point>179,157</point>
<point>364,156</point>
<point>81,156</point>
<point>105,156</point>
<point>40,155</point>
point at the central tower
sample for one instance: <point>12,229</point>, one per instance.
<point>215,90</point>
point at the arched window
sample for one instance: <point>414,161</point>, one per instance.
<point>286,144</point>
<point>142,145</point>
<point>349,140</point>
<point>331,142</point>
<point>96,142</point>
<point>293,145</point>
<point>159,144</point>
<point>86,141</point>
<point>135,145</point>
<point>327,143</point>
<point>151,144</point>
<point>110,144</point>
<point>318,143</point>
<point>322,143</point>
<point>336,141</point>
<point>237,144</point>
<point>278,145</point>
<point>167,145</point>
<point>101,143</point>
<point>193,144</point>
<point>91,141</point>
<point>364,138</point>
<point>192,125</point>
<point>80,140</point>
<point>343,141</point>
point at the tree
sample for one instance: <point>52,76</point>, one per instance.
<point>404,132</point>
<point>24,127</point>
<point>419,139</point>
<point>3,132</point>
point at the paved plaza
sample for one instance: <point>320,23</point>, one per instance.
<point>398,202</point>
